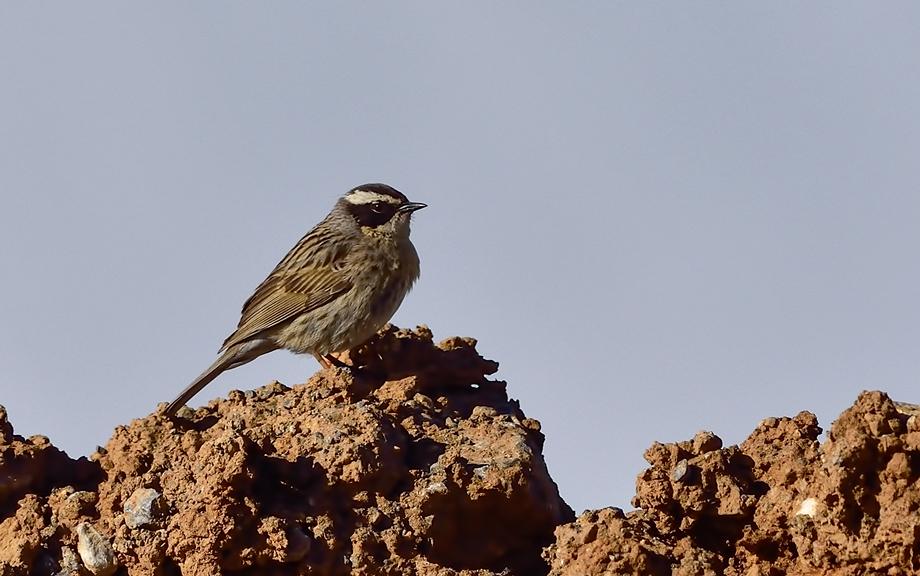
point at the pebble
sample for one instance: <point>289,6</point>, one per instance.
<point>142,507</point>
<point>808,508</point>
<point>483,412</point>
<point>680,470</point>
<point>706,441</point>
<point>424,401</point>
<point>70,563</point>
<point>95,550</point>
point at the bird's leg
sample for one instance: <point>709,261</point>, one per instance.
<point>333,361</point>
<point>328,361</point>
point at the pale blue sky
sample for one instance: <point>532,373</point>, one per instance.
<point>658,217</point>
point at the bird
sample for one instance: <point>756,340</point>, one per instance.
<point>334,290</point>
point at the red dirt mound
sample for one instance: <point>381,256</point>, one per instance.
<point>780,503</point>
<point>417,463</point>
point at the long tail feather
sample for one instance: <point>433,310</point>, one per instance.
<point>231,358</point>
<point>224,362</point>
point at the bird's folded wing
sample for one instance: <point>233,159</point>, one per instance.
<point>284,296</point>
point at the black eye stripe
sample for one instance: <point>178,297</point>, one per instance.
<point>373,214</point>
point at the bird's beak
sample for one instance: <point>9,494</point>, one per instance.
<point>411,207</point>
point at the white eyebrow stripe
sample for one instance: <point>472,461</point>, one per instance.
<point>365,197</point>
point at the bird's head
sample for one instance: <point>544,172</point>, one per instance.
<point>379,209</point>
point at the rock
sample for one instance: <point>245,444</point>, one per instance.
<point>34,466</point>
<point>349,473</point>
<point>143,508</point>
<point>607,542</point>
<point>70,564</point>
<point>95,550</point>
<point>779,503</point>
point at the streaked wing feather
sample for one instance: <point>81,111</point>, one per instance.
<point>280,299</point>
<point>287,293</point>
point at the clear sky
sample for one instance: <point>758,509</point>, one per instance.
<point>658,217</point>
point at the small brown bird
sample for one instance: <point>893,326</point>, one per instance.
<point>337,287</point>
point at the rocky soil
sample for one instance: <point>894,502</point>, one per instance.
<point>780,503</point>
<point>418,463</point>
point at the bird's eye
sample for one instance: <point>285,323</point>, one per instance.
<point>377,207</point>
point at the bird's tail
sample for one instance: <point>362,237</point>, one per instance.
<point>231,358</point>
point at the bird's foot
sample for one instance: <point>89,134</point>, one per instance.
<point>329,361</point>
